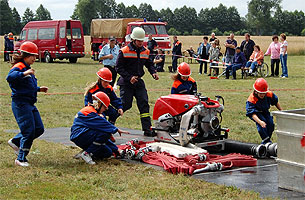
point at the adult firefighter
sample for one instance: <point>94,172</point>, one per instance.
<point>24,87</point>
<point>258,105</point>
<point>8,45</point>
<point>129,66</point>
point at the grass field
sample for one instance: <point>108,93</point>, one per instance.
<point>55,175</point>
<point>296,43</point>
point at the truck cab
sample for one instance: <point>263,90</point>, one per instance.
<point>157,29</point>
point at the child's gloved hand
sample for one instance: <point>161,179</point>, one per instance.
<point>120,111</point>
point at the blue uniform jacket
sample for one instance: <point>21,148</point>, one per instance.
<point>131,61</point>
<point>184,87</point>
<point>24,88</point>
<point>256,105</point>
<point>88,119</point>
<point>177,48</point>
<point>239,58</point>
<point>9,43</point>
<point>114,100</point>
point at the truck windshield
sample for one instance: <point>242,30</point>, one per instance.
<point>161,29</point>
<point>23,35</point>
<point>149,29</point>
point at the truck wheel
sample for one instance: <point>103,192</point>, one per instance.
<point>48,58</point>
<point>72,60</point>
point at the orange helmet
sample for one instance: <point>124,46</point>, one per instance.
<point>103,98</point>
<point>105,74</point>
<point>29,47</point>
<point>184,69</point>
<point>261,85</point>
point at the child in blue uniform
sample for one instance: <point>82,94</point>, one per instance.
<point>91,131</point>
<point>258,105</point>
<point>183,83</point>
<point>24,88</point>
<point>103,85</point>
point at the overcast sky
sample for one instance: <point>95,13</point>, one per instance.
<point>63,9</point>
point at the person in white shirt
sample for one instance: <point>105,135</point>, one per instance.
<point>283,55</point>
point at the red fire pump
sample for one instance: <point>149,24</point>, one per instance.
<point>190,119</point>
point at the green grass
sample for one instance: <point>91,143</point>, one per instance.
<point>55,175</point>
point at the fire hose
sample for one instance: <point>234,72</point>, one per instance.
<point>190,164</point>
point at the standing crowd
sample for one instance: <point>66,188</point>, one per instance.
<point>94,125</point>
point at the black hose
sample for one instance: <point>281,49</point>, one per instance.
<point>259,151</point>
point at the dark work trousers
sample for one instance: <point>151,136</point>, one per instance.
<point>205,64</point>
<point>277,63</point>
<point>114,74</point>
<point>137,90</point>
<point>30,125</point>
<point>175,62</point>
<point>265,133</point>
<point>96,143</point>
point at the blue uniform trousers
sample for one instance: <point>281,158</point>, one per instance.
<point>233,67</point>
<point>30,125</point>
<point>96,143</point>
<point>112,114</point>
<point>175,62</point>
<point>265,133</point>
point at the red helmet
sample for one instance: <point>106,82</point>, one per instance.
<point>103,98</point>
<point>29,47</point>
<point>184,69</point>
<point>105,74</point>
<point>261,85</point>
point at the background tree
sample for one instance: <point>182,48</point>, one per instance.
<point>132,12</point>
<point>185,19</point>
<point>106,8</point>
<point>42,14</point>
<point>260,15</point>
<point>166,15</point>
<point>6,18</point>
<point>121,10</point>
<point>146,11</point>
<point>85,11</point>
<point>28,16</point>
<point>16,22</point>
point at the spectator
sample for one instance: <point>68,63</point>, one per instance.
<point>131,61</point>
<point>159,61</point>
<point>214,56</point>
<point>190,51</point>
<point>239,61</point>
<point>283,55</point>
<point>247,46</point>
<point>212,37</point>
<point>274,49</point>
<point>8,46</point>
<point>230,45</point>
<point>177,45</point>
<point>109,55</point>
<point>257,58</point>
<point>183,83</point>
<point>152,45</point>
<point>204,54</point>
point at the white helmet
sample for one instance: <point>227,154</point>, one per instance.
<point>138,34</point>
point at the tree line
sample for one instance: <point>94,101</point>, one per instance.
<point>264,17</point>
<point>10,20</point>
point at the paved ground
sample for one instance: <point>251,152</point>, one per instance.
<point>262,178</point>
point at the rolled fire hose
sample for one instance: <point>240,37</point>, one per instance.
<point>259,151</point>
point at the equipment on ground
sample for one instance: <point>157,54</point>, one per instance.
<point>190,119</point>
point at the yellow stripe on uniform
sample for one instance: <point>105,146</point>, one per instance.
<point>144,115</point>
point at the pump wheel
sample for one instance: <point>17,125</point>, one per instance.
<point>48,58</point>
